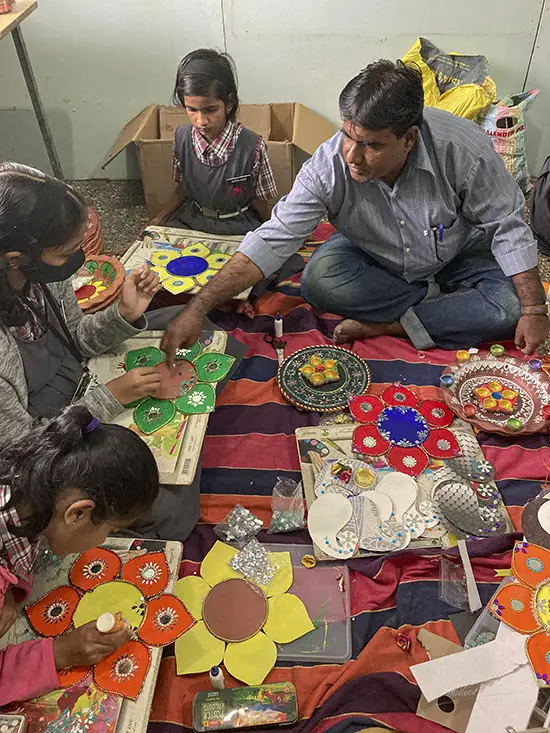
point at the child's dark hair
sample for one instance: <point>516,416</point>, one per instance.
<point>204,72</point>
<point>28,227</point>
<point>110,464</point>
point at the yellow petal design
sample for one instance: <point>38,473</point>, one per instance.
<point>198,650</point>
<point>287,619</point>
<point>252,660</point>
<point>195,250</point>
<point>177,285</point>
<point>161,258</point>
<point>282,580</point>
<point>217,260</point>
<point>205,276</point>
<point>117,596</point>
<point>215,566</point>
<point>192,590</point>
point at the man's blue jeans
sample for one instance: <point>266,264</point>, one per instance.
<point>468,302</point>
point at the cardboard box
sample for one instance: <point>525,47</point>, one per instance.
<point>291,131</point>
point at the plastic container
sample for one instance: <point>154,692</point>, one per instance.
<point>325,593</point>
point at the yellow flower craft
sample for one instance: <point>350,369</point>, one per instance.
<point>237,621</point>
<point>320,371</point>
<point>525,604</point>
<point>495,397</point>
<point>187,270</point>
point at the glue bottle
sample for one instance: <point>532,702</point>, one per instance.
<point>107,623</point>
<point>216,678</point>
<point>278,326</point>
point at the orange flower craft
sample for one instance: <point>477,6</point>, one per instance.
<point>525,604</point>
<point>101,583</point>
<point>494,397</point>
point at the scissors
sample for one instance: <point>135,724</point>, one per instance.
<point>278,345</point>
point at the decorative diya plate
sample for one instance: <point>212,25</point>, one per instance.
<point>107,277</point>
<point>353,377</point>
<point>499,395</point>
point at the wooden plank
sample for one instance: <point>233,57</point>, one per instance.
<point>19,12</point>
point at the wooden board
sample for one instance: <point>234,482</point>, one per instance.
<point>21,9</point>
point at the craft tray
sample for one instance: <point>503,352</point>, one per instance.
<point>325,592</point>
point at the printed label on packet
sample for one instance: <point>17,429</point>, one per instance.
<point>245,707</point>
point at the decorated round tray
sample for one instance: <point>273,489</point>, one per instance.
<point>107,275</point>
<point>345,373</point>
<point>519,392</point>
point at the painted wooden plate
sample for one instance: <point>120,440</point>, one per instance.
<point>332,396</point>
<point>107,275</point>
<point>515,377</point>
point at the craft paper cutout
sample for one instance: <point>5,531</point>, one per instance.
<point>166,620</point>
<point>52,614</point>
<point>320,371</point>
<point>535,521</point>
<point>148,572</point>
<point>152,414</point>
<point>406,431</point>
<point>106,278</point>
<point>213,367</point>
<point>235,610</point>
<point>465,512</point>
<point>176,381</point>
<point>185,271</point>
<point>401,489</point>
<point>198,650</point>
<point>157,621</point>
<point>525,605</point>
<point>327,517</point>
<point>114,597</point>
<point>495,397</point>
<point>201,398</point>
<point>123,673</point>
<point>94,567</point>
<point>249,661</point>
<point>148,356</point>
<point>188,354</point>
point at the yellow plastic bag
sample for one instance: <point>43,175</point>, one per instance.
<point>453,82</point>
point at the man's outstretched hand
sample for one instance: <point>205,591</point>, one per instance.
<point>183,331</point>
<point>531,332</point>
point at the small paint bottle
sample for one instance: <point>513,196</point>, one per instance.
<point>278,326</point>
<point>216,678</point>
<point>107,623</point>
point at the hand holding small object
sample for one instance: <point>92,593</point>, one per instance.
<point>182,332</point>
<point>137,292</point>
<point>135,384</point>
<point>86,645</point>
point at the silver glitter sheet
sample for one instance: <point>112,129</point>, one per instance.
<point>239,527</point>
<point>252,561</point>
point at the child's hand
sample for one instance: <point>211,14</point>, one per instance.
<point>8,614</point>
<point>137,292</point>
<point>135,384</point>
<point>86,645</point>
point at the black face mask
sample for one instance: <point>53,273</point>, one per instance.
<point>41,272</point>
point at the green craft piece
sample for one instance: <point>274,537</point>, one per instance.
<point>213,367</point>
<point>189,354</point>
<point>149,356</point>
<point>202,398</point>
<point>152,414</point>
<point>135,403</point>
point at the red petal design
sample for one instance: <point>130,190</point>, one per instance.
<point>441,443</point>
<point>94,567</point>
<point>411,461</point>
<point>124,672</point>
<point>148,572</point>
<point>437,414</point>
<point>365,408</point>
<point>166,620</point>
<point>530,563</point>
<point>73,676</point>
<point>538,650</point>
<point>53,613</point>
<point>513,604</point>
<point>367,441</point>
<point>399,396</point>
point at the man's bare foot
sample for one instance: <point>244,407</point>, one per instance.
<point>350,330</point>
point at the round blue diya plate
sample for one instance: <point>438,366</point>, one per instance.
<point>353,378</point>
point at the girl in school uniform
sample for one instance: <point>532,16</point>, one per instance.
<point>45,340</point>
<point>65,484</point>
<point>223,167</point>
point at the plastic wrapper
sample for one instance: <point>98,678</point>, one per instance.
<point>238,527</point>
<point>287,505</point>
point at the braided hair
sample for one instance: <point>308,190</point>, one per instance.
<point>20,188</point>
